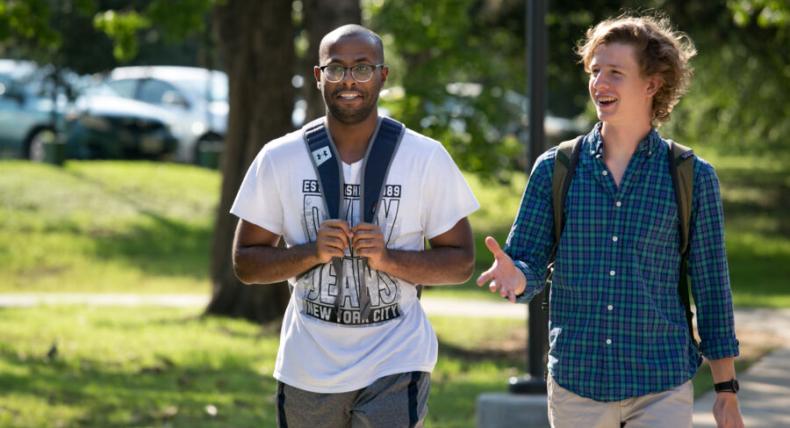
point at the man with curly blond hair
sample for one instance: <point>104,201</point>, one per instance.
<point>621,353</point>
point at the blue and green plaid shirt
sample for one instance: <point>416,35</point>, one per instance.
<point>617,326</point>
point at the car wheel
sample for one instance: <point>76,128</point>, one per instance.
<point>208,151</point>
<point>36,149</point>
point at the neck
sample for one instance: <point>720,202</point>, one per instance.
<point>352,140</point>
<point>622,141</point>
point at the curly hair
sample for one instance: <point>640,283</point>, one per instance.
<point>660,50</point>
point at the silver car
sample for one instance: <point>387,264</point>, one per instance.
<point>197,99</point>
<point>31,108</point>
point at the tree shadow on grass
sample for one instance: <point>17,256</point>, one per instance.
<point>773,196</point>
<point>160,246</point>
<point>483,260</point>
<point>760,220</point>
<point>110,396</point>
<point>454,393</point>
<point>509,356</point>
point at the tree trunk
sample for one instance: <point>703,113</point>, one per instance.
<point>256,43</point>
<point>321,17</point>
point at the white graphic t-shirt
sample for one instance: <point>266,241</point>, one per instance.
<point>323,349</point>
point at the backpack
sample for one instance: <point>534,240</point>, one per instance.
<point>375,167</point>
<point>681,168</point>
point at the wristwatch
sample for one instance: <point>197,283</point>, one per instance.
<point>727,386</point>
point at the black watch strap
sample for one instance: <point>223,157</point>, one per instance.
<point>727,386</point>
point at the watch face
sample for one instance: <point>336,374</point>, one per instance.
<point>727,386</point>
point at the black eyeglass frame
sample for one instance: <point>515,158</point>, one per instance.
<point>351,70</point>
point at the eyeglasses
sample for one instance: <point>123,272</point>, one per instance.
<point>361,72</point>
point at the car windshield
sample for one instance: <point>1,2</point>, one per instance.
<point>217,92</point>
<point>99,89</point>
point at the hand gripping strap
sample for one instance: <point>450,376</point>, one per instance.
<point>375,168</point>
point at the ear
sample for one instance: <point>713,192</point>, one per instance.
<point>654,83</point>
<point>317,76</point>
<point>385,71</point>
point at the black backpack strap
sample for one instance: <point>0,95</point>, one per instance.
<point>327,165</point>
<point>681,168</point>
<point>328,170</point>
<point>376,165</point>
<point>375,168</point>
<point>564,169</point>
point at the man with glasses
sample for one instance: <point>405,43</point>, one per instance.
<point>356,348</point>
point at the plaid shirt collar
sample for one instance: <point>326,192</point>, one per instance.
<point>647,147</point>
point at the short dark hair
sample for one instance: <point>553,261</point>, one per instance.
<point>351,30</point>
<point>660,51</point>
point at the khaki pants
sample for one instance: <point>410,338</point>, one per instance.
<point>670,409</point>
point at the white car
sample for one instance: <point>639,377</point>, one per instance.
<point>197,99</point>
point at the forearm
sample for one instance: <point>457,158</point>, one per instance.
<point>722,369</point>
<point>262,264</point>
<point>435,266</point>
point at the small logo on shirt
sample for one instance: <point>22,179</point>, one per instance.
<point>322,155</point>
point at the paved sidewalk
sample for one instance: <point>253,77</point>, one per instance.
<point>432,305</point>
<point>765,388</point>
<point>99,299</point>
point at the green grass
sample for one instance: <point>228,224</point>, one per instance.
<point>131,367</point>
<point>146,227</point>
<point>499,204</point>
<point>150,366</point>
<point>106,226</point>
<point>756,196</point>
<point>146,366</point>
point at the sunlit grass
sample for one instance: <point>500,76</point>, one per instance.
<point>151,366</point>
<point>148,366</point>
<point>145,227</point>
<point>82,366</point>
<point>106,226</point>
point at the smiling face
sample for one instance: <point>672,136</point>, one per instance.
<point>621,94</point>
<point>348,101</point>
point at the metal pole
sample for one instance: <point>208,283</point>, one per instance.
<point>537,324</point>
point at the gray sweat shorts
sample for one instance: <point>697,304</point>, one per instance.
<point>399,400</point>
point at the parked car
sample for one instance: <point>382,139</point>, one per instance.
<point>103,125</point>
<point>39,104</point>
<point>31,107</point>
<point>197,99</point>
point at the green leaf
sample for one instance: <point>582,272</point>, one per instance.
<point>122,28</point>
